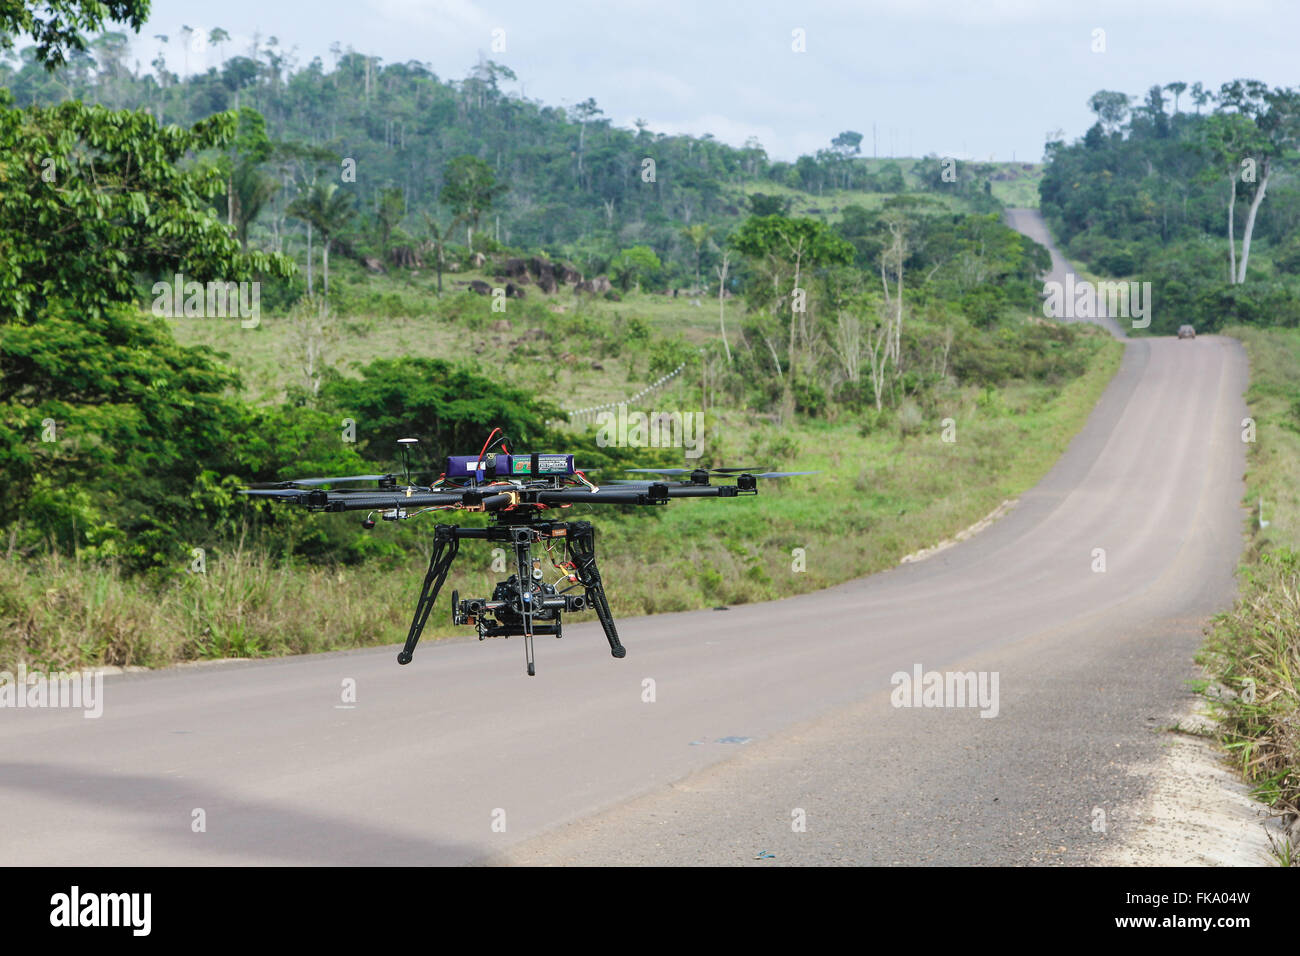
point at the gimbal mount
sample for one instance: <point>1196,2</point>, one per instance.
<point>523,605</point>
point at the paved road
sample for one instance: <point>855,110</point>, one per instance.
<point>1030,222</point>
<point>760,711</point>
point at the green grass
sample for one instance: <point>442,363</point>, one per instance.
<point>1274,458</point>
<point>459,326</point>
<point>1016,184</point>
<point>1253,650</point>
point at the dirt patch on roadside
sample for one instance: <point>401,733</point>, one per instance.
<point>1197,812</point>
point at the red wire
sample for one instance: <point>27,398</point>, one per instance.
<point>479,464</point>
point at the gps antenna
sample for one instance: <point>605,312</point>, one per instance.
<point>406,444</point>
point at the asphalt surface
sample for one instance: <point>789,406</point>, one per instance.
<point>764,716</point>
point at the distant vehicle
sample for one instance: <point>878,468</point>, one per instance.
<point>1186,332</point>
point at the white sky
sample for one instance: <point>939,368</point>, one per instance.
<point>962,78</point>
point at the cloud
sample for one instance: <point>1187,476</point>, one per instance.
<point>651,81</point>
<point>442,15</point>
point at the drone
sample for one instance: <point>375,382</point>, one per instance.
<point>519,491</point>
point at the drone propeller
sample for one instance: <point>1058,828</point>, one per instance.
<point>724,472</point>
<point>688,471</point>
<point>312,482</point>
<point>308,482</point>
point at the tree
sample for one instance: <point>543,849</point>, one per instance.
<point>469,189</point>
<point>248,150</point>
<point>446,406</point>
<point>57,25</point>
<point>439,237</point>
<point>893,258</point>
<point>761,204</point>
<point>1236,141</point>
<point>1154,108</point>
<point>786,247</point>
<point>722,307</point>
<point>584,113</point>
<point>635,265</point>
<point>1278,128</point>
<point>217,38</point>
<point>1176,88</point>
<point>330,211</point>
<point>697,235</point>
<point>90,198</point>
<point>237,74</point>
<point>1230,138</point>
<point>847,145</point>
<point>1110,107</point>
<point>1200,96</point>
<point>392,207</point>
<point>250,189</point>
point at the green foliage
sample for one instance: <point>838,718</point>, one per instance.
<point>114,440</point>
<point>1038,351</point>
<point>452,143</point>
<point>57,25</point>
<point>761,204</point>
<point>450,408</point>
<point>786,240</point>
<point>1146,194</point>
<point>470,188</point>
<point>961,178</point>
<point>634,266</point>
<point>91,197</point>
<point>666,354</point>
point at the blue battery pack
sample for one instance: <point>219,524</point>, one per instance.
<point>527,465</point>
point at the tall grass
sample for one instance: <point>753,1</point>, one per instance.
<point>1253,650</point>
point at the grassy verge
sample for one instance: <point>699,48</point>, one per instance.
<point>883,491</point>
<point>1254,649</point>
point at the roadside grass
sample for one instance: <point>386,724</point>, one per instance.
<point>1253,650</point>
<point>886,487</point>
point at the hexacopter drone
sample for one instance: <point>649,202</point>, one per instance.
<point>516,490</point>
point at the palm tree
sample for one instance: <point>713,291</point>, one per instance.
<point>299,209</point>
<point>697,235</point>
<point>329,211</point>
<point>250,188</point>
<point>216,38</point>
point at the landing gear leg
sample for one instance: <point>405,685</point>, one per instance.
<point>582,552</point>
<point>445,546</point>
<point>523,539</point>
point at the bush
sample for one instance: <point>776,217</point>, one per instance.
<point>910,418</point>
